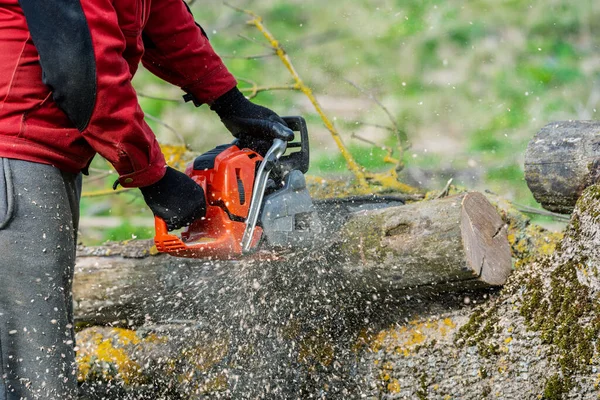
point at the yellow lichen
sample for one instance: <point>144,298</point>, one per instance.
<point>105,354</point>
<point>206,356</point>
<point>215,384</point>
<point>448,322</point>
<point>394,386</point>
<point>153,251</point>
<point>316,349</point>
<point>405,339</point>
<point>177,156</point>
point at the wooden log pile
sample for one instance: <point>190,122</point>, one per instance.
<point>277,324</point>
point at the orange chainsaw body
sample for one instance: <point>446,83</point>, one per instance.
<point>227,177</point>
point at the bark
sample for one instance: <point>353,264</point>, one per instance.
<point>459,241</point>
<point>561,161</point>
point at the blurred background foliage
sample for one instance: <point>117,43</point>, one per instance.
<point>469,82</point>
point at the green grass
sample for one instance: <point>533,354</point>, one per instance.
<point>127,231</point>
<point>369,157</point>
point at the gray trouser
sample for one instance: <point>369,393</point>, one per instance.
<point>39,214</point>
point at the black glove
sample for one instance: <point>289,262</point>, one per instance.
<point>176,198</point>
<point>255,126</point>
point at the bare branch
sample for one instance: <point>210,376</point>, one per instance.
<point>255,57</point>
<point>234,7</point>
<point>255,89</point>
<point>106,192</point>
<point>255,41</point>
<point>402,137</point>
<point>445,190</point>
<point>169,127</point>
<point>353,166</point>
<point>538,211</point>
<point>99,170</point>
<point>159,98</point>
<point>387,128</point>
<point>99,176</point>
<point>389,181</point>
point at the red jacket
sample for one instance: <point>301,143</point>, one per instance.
<point>65,79</point>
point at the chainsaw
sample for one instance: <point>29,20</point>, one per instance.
<point>251,201</point>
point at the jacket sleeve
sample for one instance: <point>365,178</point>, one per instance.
<point>81,47</point>
<point>178,51</point>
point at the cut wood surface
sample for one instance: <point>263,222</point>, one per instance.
<point>561,161</point>
<point>458,241</point>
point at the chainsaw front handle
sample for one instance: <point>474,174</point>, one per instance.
<point>258,192</point>
<point>299,159</point>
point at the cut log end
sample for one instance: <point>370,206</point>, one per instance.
<point>485,240</point>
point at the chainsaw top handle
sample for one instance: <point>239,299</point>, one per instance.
<point>258,191</point>
<point>298,159</point>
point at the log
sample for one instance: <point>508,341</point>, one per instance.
<point>459,238</point>
<point>457,241</point>
<point>561,161</point>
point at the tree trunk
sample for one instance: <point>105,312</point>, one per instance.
<point>561,161</point>
<point>458,241</point>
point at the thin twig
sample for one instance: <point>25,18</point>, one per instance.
<point>251,39</point>
<point>445,190</point>
<point>545,213</point>
<point>379,126</point>
<point>389,150</point>
<point>91,169</point>
<point>169,127</point>
<point>389,180</point>
<point>368,141</point>
<point>255,57</point>
<point>255,89</point>
<point>106,192</point>
<point>146,96</point>
<point>98,177</point>
<point>402,138</point>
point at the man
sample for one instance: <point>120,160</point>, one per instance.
<point>65,94</point>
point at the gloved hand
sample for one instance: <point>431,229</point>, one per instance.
<point>176,198</point>
<point>255,126</point>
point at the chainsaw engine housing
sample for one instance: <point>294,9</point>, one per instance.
<point>228,175</point>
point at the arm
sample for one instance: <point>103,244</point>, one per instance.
<point>81,54</point>
<point>178,51</point>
